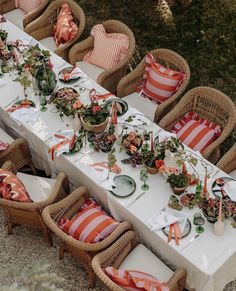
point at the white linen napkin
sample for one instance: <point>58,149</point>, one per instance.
<point>75,73</point>
<point>167,217</point>
<point>25,115</point>
<point>59,137</point>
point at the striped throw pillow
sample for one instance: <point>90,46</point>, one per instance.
<point>65,29</point>
<point>109,48</point>
<point>28,5</point>
<point>12,188</point>
<point>196,132</point>
<point>159,83</point>
<point>90,224</point>
<point>132,280</point>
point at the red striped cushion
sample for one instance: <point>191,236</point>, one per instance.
<point>196,132</point>
<point>109,48</point>
<point>90,224</point>
<point>159,83</point>
<point>132,280</point>
<point>65,29</point>
<point>28,5</point>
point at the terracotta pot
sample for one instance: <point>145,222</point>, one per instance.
<point>94,128</point>
<point>178,191</point>
<point>151,170</point>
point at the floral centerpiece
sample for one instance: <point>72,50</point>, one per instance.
<point>153,159</point>
<point>94,117</point>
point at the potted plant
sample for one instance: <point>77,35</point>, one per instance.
<point>152,160</point>
<point>178,183</point>
<point>94,117</point>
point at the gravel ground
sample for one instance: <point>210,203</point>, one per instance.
<point>19,251</point>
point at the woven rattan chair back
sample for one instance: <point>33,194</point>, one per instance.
<point>210,104</point>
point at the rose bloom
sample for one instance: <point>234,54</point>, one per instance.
<point>159,163</point>
<point>96,108</point>
<point>77,104</point>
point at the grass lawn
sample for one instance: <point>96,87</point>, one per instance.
<point>204,34</point>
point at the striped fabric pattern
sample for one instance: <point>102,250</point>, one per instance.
<point>196,132</point>
<point>28,5</point>
<point>90,224</point>
<point>109,48</point>
<point>132,280</point>
<point>159,83</point>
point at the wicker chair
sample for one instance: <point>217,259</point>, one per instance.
<point>68,207</point>
<point>210,104</point>
<point>228,162</point>
<point>41,28</point>
<point>127,86</point>
<point>18,152</point>
<point>125,254</point>
<point>107,78</point>
<point>17,16</point>
<point>30,214</point>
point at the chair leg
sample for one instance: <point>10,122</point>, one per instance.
<point>92,276</point>
<point>61,251</point>
<point>47,236</point>
<point>9,228</point>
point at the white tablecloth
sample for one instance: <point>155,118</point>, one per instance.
<point>209,260</point>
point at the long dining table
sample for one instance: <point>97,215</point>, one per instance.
<point>209,260</point>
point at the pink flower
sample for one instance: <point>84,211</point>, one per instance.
<point>77,104</point>
<point>96,108</point>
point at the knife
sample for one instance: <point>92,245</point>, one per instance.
<point>135,199</point>
<point>190,241</point>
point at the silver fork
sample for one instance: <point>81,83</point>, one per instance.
<point>135,199</point>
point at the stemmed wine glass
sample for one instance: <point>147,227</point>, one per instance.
<point>199,221</point>
<point>144,178</point>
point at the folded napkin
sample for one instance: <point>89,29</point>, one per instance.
<point>61,142</point>
<point>75,73</point>
<point>94,96</point>
<point>167,217</point>
<point>25,115</point>
<point>230,189</point>
<point>3,145</point>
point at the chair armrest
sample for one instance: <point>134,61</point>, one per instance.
<point>6,6</point>
<point>79,50</point>
<point>178,280</point>
<point>129,83</point>
<point>30,17</point>
<point>9,166</point>
<point>228,162</point>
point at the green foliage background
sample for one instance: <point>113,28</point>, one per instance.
<point>204,34</point>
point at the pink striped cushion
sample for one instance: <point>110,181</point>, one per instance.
<point>132,280</point>
<point>90,224</point>
<point>159,83</point>
<point>28,5</point>
<point>196,132</point>
<point>109,48</point>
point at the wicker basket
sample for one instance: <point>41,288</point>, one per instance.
<point>94,128</point>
